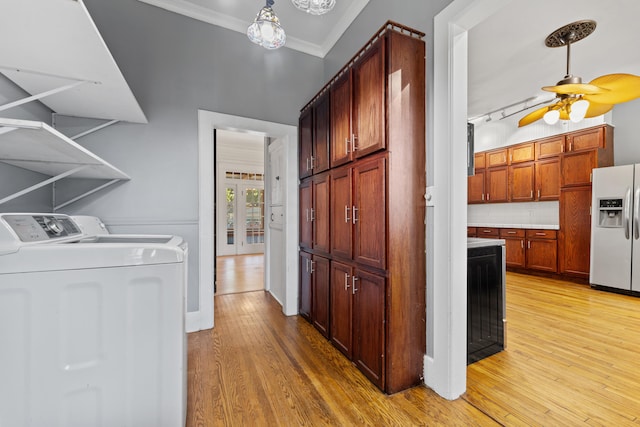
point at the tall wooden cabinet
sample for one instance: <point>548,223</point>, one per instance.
<point>376,276</point>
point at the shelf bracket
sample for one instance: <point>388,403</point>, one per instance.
<point>83,195</point>
<point>94,129</point>
<point>42,184</point>
<point>41,95</point>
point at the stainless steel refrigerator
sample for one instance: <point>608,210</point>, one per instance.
<point>615,228</point>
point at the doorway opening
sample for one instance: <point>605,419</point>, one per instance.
<point>239,212</point>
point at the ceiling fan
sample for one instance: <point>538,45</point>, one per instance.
<point>576,100</point>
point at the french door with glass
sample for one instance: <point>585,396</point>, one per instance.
<point>241,218</point>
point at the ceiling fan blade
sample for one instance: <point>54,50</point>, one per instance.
<point>533,116</point>
<point>576,89</point>
<point>595,108</point>
<point>621,88</point>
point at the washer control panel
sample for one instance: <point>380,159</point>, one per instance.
<point>41,227</point>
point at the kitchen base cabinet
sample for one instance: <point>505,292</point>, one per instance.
<point>514,246</point>
<point>304,290</point>
<point>341,307</point>
<point>314,291</point>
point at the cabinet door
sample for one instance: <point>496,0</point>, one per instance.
<point>514,246</point>
<point>369,213</point>
<point>341,150</point>
<point>548,179</point>
<point>305,128</point>
<point>497,184</point>
<point>341,211</point>
<point>472,232</point>
<point>306,206</point>
<point>577,167</point>
<point>368,324</point>
<point>575,231</point>
<point>341,307</point>
<point>542,255</point>
<point>321,134</point>
<point>321,214</point>
<point>304,294</point>
<point>496,157</point>
<point>522,153</point>
<point>475,187</point>
<point>369,101</point>
<point>522,179</point>
<point>320,294</point>
<point>479,161</point>
<point>585,140</point>
<point>549,147</point>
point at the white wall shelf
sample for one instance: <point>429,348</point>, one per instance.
<point>38,147</point>
<point>55,45</point>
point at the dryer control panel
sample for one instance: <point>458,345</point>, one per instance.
<point>41,227</point>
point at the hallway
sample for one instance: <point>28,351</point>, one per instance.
<point>239,273</point>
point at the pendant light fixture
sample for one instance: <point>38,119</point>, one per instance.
<point>266,30</point>
<point>314,7</point>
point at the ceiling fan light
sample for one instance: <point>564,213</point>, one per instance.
<point>266,30</point>
<point>314,7</point>
<point>551,117</point>
<point>578,110</point>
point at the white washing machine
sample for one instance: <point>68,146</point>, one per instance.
<point>92,333</point>
<point>96,230</point>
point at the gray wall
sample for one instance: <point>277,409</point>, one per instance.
<point>174,66</point>
<point>13,179</point>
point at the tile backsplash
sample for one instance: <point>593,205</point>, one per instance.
<point>531,213</point>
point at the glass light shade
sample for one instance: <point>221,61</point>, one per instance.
<point>578,110</point>
<point>551,117</point>
<point>266,30</point>
<point>314,7</point>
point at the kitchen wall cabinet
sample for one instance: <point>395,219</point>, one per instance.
<point>377,179</point>
<point>575,231</point>
<point>306,213</point>
<point>550,147</point>
<point>542,250</point>
<point>547,182</point>
<point>475,187</point>
<point>305,142</point>
<point>522,153</point>
<point>497,184</point>
<point>522,181</point>
<point>497,157</point>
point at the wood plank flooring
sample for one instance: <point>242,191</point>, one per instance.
<point>573,358</point>
<point>239,273</point>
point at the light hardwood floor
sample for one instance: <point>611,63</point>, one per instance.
<point>573,358</point>
<point>239,273</point>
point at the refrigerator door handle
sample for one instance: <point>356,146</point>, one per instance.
<point>636,213</point>
<point>627,213</point>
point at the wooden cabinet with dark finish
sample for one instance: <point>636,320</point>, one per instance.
<point>472,232</point>
<point>377,210</point>
<point>315,213</point>
<point>320,302</point>
<point>514,239</point>
<point>575,231</point>
<point>304,290</point>
<point>369,325</point>
<point>341,134</point>
<point>314,137</point>
<point>542,250</point>
<point>341,305</point>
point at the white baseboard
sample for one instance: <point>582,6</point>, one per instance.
<point>194,322</point>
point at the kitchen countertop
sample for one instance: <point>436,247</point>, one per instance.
<point>529,226</point>
<point>477,242</point>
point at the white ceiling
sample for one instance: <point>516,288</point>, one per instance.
<point>307,33</point>
<point>508,61</point>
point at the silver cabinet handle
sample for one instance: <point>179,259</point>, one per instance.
<point>528,247</point>
<point>522,244</point>
<point>353,214</point>
<point>346,281</point>
<point>312,160</point>
<point>346,214</point>
<point>307,212</point>
<point>353,141</point>
<point>347,143</point>
<point>353,285</point>
<point>313,215</point>
<point>307,164</point>
<point>511,232</point>
<point>532,194</point>
<point>487,197</point>
<point>483,197</point>
<point>540,234</point>
<point>307,260</point>
<point>312,270</point>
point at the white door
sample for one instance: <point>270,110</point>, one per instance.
<point>241,218</point>
<point>611,231</point>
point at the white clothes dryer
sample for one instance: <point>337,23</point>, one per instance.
<point>93,333</point>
